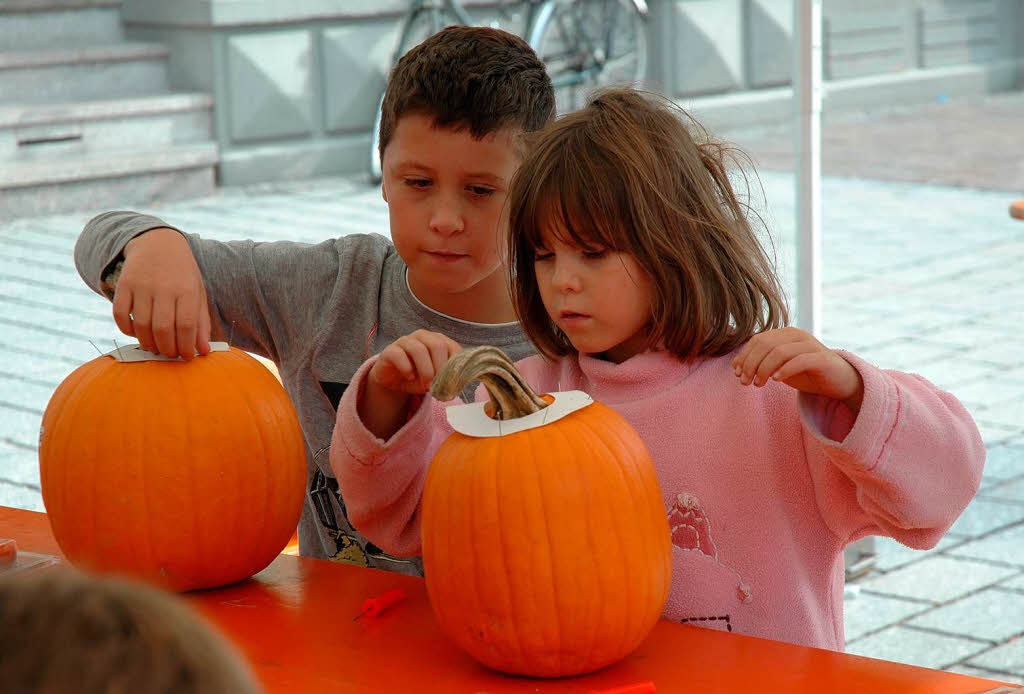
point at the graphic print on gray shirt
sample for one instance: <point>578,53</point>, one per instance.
<point>318,311</point>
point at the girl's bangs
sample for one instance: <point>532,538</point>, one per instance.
<point>575,204</point>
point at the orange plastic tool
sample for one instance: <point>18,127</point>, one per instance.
<point>635,688</point>
<point>374,606</point>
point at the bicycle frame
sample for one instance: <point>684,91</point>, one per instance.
<point>539,18</point>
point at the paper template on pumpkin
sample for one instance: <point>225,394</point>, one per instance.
<point>473,420</point>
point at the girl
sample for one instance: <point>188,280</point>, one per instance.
<point>637,275</point>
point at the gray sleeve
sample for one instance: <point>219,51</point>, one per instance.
<point>272,298</point>
<point>268,298</point>
<point>102,241</point>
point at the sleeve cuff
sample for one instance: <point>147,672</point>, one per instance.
<point>111,271</point>
<point>361,443</point>
<point>858,445</point>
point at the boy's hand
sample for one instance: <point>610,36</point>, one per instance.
<point>409,363</point>
<point>797,359</point>
<point>160,298</point>
<point>405,367</point>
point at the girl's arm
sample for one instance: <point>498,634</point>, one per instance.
<point>906,465</point>
<point>382,481</point>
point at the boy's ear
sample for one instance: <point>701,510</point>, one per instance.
<point>384,192</point>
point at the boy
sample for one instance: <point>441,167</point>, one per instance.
<point>453,113</point>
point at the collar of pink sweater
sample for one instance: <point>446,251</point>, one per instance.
<point>637,378</point>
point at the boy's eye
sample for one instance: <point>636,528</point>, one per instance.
<point>482,191</point>
<point>417,182</point>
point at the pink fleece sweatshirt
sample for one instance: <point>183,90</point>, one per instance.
<point>763,487</point>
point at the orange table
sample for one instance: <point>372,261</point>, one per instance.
<point>294,622</point>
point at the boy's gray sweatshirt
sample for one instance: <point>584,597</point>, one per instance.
<point>318,311</point>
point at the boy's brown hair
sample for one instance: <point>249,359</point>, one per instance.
<point>626,174</point>
<point>478,78</point>
<point>62,631</point>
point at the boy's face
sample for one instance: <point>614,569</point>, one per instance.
<point>446,196</point>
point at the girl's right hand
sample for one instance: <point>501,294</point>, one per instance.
<point>409,364</point>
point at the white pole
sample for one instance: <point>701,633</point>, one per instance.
<point>807,97</point>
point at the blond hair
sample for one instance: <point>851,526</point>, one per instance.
<point>625,173</point>
<point>62,631</point>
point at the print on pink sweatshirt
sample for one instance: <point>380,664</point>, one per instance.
<point>763,487</point>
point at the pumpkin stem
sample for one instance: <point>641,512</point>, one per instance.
<point>511,396</point>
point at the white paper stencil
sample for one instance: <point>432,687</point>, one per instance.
<point>471,419</point>
<point>127,353</point>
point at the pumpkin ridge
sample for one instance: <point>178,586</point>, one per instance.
<point>451,541</point>
<point>470,519</point>
<point>143,477</point>
<point>198,539</point>
<point>595,435</point>
<point>595,616</point>
<point>511,607</point>
<point>246,397</point>
<point>546,509</point>
<point>51,448</point>
<point>580,585</point>
<point>458,517</point>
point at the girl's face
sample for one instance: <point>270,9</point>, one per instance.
<point>600,299</point>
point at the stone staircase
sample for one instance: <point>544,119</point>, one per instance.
<point>88,119</point>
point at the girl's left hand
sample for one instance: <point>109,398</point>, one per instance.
<point>796,358</point>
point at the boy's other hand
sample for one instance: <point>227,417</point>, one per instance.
<point>160,298</point>
<point>409,364</point>
<point>796,358</point>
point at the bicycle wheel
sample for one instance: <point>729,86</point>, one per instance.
<point>425,21</point>
<point>590,43</point>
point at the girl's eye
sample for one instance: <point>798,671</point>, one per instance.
<point>417,182</point>
<point>481,191</point>
<point>595,254</point>
<point>540,255</point>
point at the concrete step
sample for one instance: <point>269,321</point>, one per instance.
<point>31,132</point>
<point>36,24</point>
<point>104,180</point>
<point>83,73</point>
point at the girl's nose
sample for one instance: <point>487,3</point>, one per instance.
<point>565,278</point>
<point>446,218</point>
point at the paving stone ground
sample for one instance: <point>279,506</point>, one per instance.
<point>917,276</point>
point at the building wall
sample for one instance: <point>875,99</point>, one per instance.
<point>296,84</point>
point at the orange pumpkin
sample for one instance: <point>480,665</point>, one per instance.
<point>185,474</point>
<point>546,551</point>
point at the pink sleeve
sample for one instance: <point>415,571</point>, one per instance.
<point>382,481</point>
<point>906,467</point>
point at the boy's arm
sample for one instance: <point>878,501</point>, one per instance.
<point>382,481</point>
<point>266,298</point>
<point>906,466</point>
<point>101,244</point>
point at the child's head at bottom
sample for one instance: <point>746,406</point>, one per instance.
<point>62,631</point>
<point>627,235</point>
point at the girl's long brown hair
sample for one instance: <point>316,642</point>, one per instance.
<point>626,174</point>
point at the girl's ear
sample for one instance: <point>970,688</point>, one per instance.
<point>383,191</point>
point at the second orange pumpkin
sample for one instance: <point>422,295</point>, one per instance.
<point>547,551</point>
